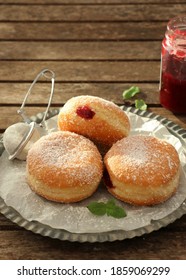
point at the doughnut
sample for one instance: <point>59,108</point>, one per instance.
<point>100,120</point>
<point>142,170</point>
<point>64,167</point>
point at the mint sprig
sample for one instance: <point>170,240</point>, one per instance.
<point>97,208</point>
<point>140,104</point>
<point>109,208</point>
<point>131,92</point>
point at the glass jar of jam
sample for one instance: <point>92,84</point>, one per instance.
<point>173,66</point>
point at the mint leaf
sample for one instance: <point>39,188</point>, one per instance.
<point>116,212</point>
<point>109,208</point>
<point>113,210</point>
<point>140,104</point>
<point>132,91</point>
<point>127,94</point>
<point>110,203</point>
<point>97,208</point>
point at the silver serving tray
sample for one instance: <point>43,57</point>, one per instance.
<point>45,230</point>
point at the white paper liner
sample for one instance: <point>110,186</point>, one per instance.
<point>76,217</point>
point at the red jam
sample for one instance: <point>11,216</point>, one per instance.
<point>85,112</point>
<point>171,86</point>
<point>173,70</point>
<point>106,179</point>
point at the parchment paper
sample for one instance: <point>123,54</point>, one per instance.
<point>76,217</point>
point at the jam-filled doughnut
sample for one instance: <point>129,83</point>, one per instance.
<point>142,170</point>
<point>98,119</point>
<point>64,167</point>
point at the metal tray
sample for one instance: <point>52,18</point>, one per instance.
<point>45,230</point>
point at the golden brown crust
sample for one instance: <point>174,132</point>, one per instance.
<point>64,166</point>
<point>108,124</point>
<point>143,170</point>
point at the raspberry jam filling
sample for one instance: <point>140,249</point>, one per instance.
<point>106,179</point>
<point>85,112</point>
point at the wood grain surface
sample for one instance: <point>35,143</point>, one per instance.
<point>80,31</point>
<point>82,13</point>
<point>95,47</point>
<point>82,71</point>
<point>101,50</point>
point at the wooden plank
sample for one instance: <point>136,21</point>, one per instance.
<point>82,31</point>
<point>13,93</point>
<point>24,245</point>
<point>6,224</point>
<point>80,50</point>
<point>10,116</point>
<point>80,13</point>
<point>85,2</point>
<point>119,71</point>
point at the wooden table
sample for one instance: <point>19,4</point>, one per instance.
<point>95,47</point>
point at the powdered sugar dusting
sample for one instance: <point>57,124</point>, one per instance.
<point>66,154</point>
<point>135,152</point>
<point>100,120</point>
<point>143,158</point>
